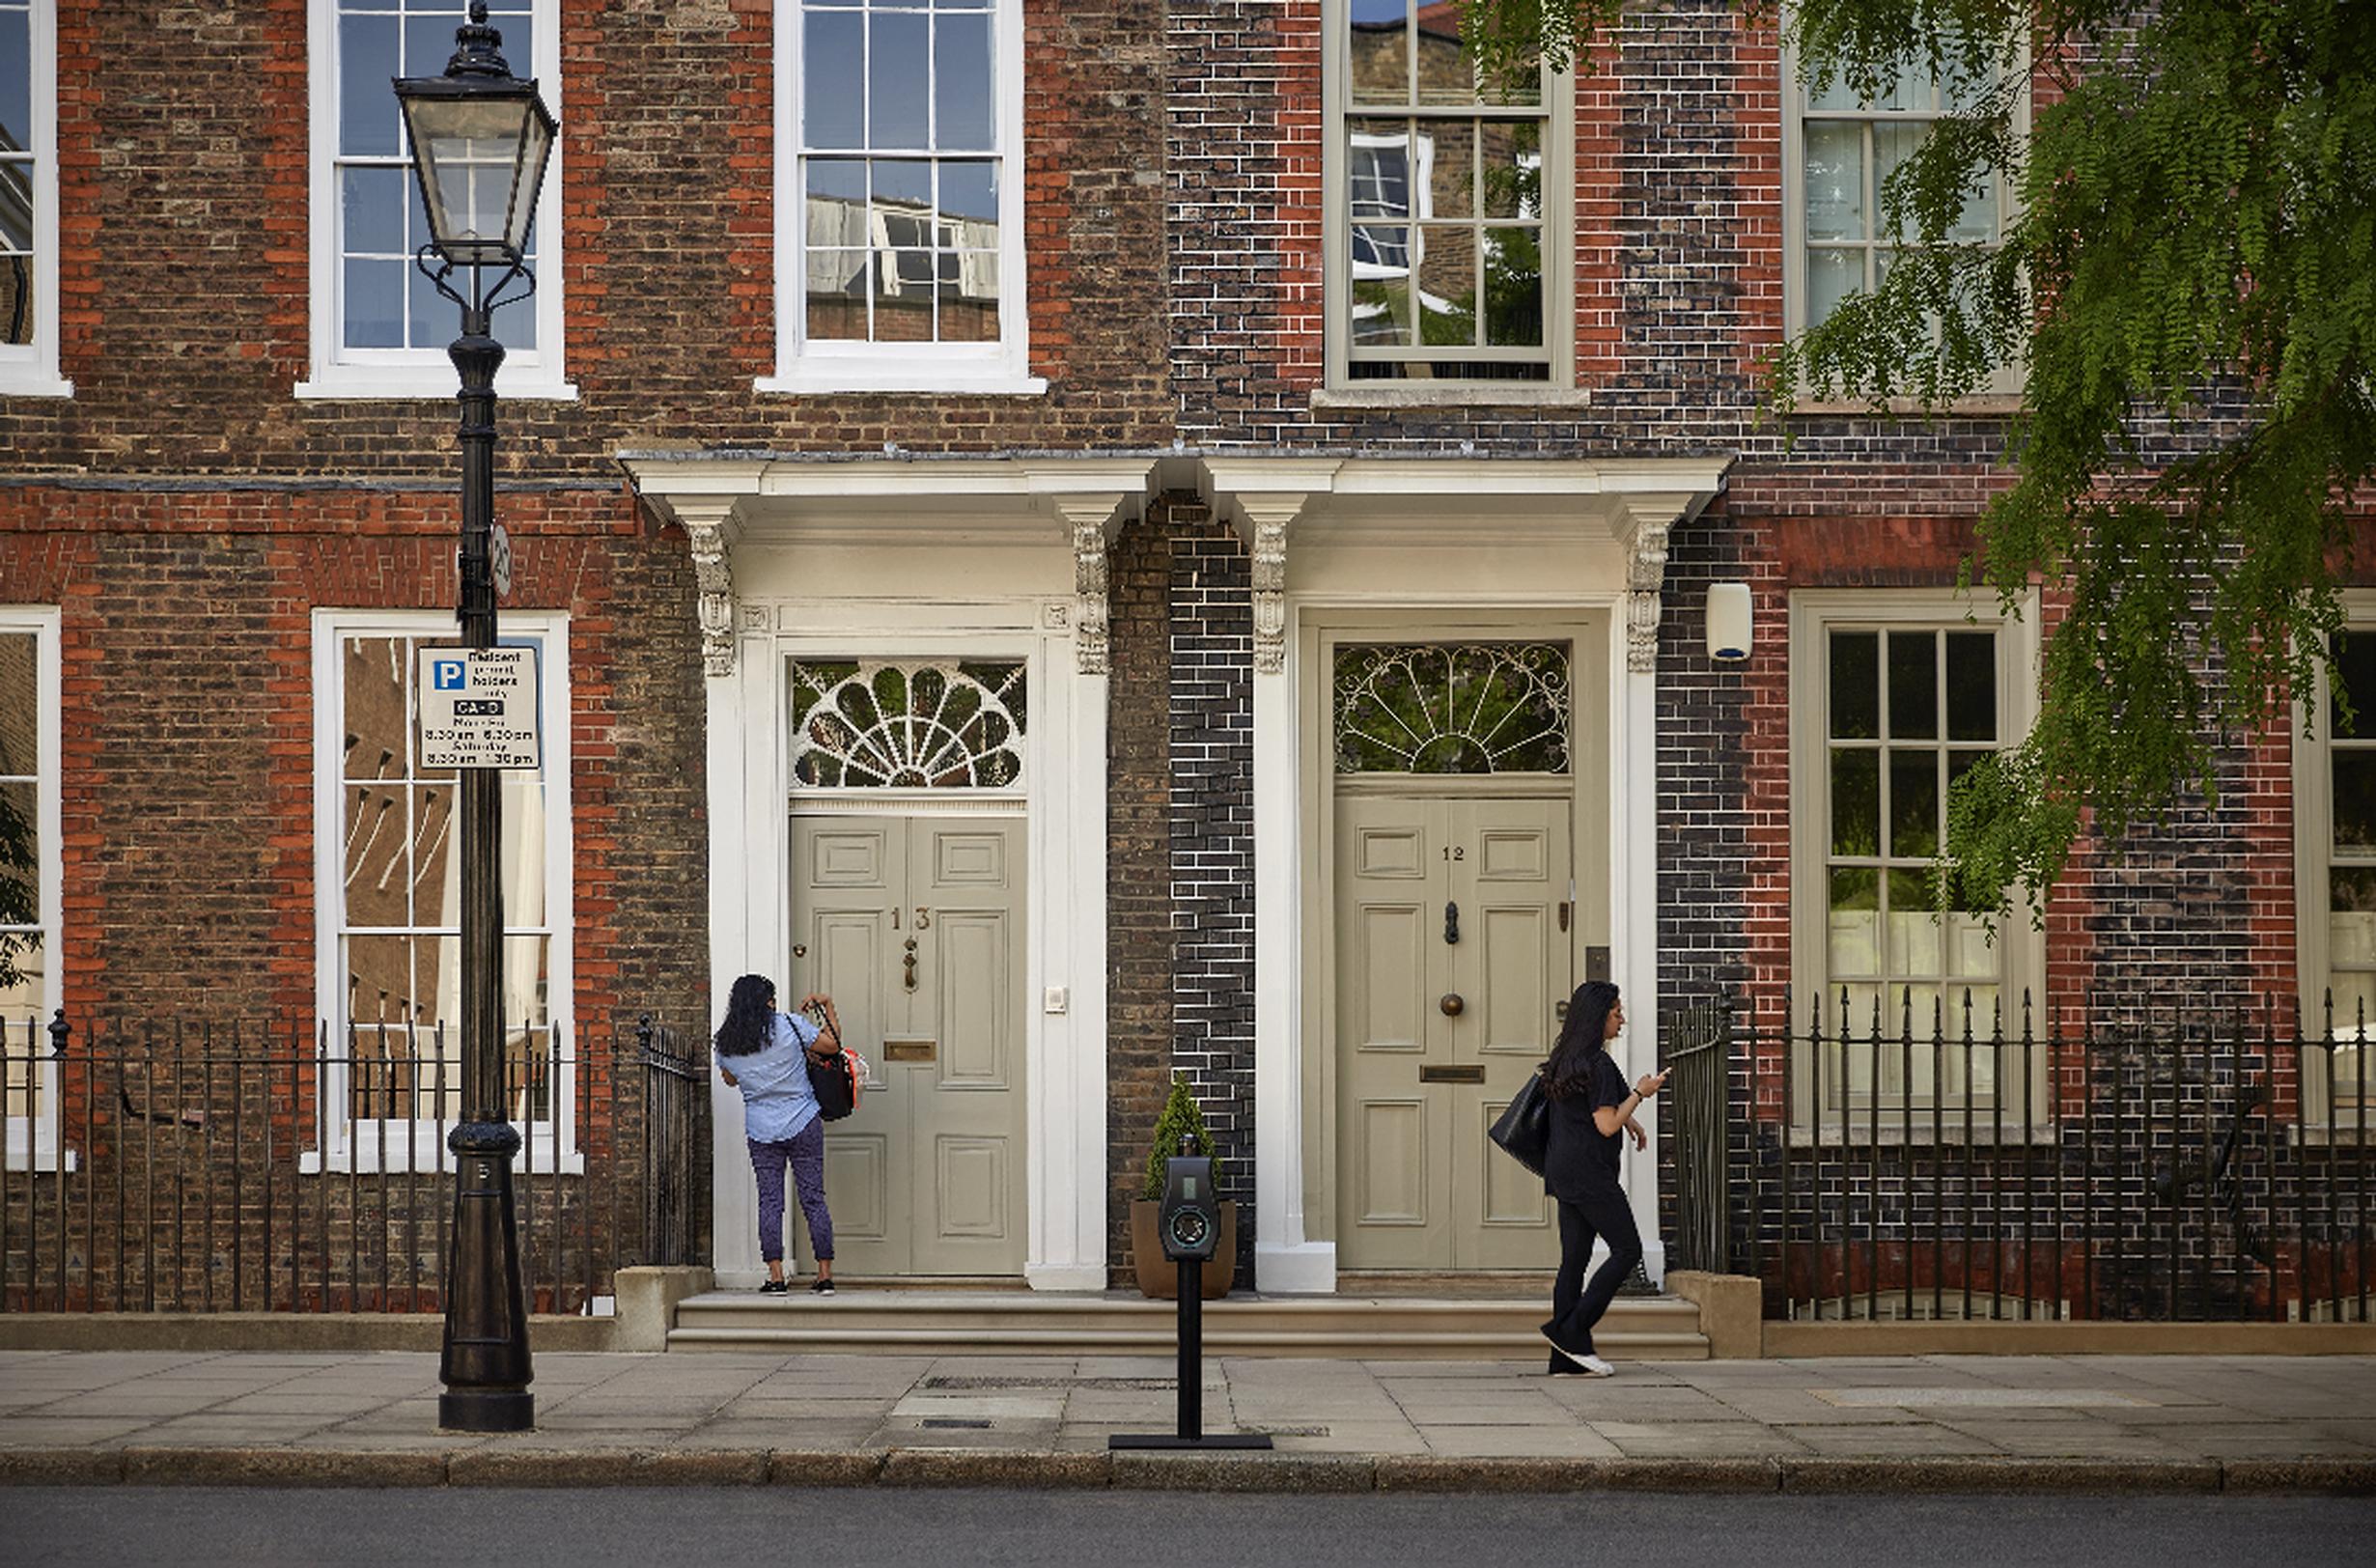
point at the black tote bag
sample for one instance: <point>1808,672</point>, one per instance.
<point>1524,1129</point>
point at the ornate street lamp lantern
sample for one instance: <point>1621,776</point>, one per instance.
<point>480,138</point>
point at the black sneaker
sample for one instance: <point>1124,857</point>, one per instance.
<point>775,1287</point>
<point>823,1287</point>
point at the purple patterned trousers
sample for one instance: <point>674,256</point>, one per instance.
<point>805,1153</point>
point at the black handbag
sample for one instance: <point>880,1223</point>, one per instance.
<point>832,1078</point>
<point>1523,1128</point>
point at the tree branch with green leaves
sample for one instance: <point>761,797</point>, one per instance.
<point>2187,286</point>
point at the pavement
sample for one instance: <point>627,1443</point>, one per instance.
<point>1930,1423</point>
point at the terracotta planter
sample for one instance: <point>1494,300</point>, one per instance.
<point>1159,1277</point>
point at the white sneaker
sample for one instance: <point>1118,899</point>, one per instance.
<point>1593,1366</point>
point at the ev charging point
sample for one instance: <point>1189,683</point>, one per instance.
<point>1188,1222</point>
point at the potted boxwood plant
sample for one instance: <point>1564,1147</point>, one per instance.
<point>1159,1277</point>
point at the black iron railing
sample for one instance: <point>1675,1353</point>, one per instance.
<point>284,1166</point>
<point>1969,1167</point>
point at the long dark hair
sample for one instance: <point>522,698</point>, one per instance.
<point>1585,1033</point>
<point>750,1009</point>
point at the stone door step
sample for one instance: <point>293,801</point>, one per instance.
<point>862,1321</point>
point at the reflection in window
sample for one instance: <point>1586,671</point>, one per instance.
<point>21,248</point>
<point>1442,204</point>
<point>906,726</point>
<point>385,302</point>
<point>1452,708</point>
<point>1908,710</point>
<point>2350,870</point>
<point>400,935</point>
<point>24,946</point>
<point>901,171</point>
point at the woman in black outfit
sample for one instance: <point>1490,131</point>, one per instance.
<point>1591,1109</point>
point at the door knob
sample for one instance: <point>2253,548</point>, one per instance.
<point>1452,1004</point>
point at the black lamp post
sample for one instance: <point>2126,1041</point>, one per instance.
<point>480,138</point>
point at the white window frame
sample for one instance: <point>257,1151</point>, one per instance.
<point>409,1145</point>
<point>29,370</point>
<point>340,372</point>
<point>839,365</point>
<point>41,1151</point>
<point>2005,379</point>
<point>1557,153</point>
<point>1814,613</point>
<point>2313,807</point>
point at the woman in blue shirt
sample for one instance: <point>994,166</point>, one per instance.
<point>769,1054</point>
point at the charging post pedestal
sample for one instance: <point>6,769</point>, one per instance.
<point>1189,1233</point>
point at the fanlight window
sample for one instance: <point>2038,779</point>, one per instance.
<point>1452,708</point>
<point>906,726</point>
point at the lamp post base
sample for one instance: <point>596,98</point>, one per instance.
<point>486,1410</point>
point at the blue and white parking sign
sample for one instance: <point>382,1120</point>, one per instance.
<point>477,708</point>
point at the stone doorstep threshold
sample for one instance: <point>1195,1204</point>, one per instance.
<point>499,1465</point>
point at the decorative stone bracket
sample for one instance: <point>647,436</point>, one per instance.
<point>1269,517</point>
<point>711,528</point>
<point>1092,518</point>
<point>1642,528</point>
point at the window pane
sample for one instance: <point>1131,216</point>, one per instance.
<point>16,79</point>
<point>1856,802</point>
<point>1514,288</point>
<point>437,855</point>
<point>373,198</point>
<point>838,283</point>
<point>1892,146</point>
<point>962,84</point>
<point>369,123</point>
<point>1913,929</point>
<point>1913,803</point>
<point>1447,293</point>
<point>2351,921</point>
<point>1378,169</point>
<point>1835,180</point>
<point>1971,685</point>
<point>379,727</point>
<point>1380,49</point>
<point>378,872</point>
<point>378,979</point>
<point>20,854</point>
<point>1855,685</point>
<point>2355,799</point>
<point>21,709</point>
<point>1448,150</point>
<point>969,306</point>
<point>2353,673</point>
<point>1832,276</point>
<point>969,195</point>
<point>1381,292</point>
<point>833,79</point>
<point>1914,686</point>
<point>524,850</point>
<point>895,80</point>
<point>1445,74</point>
<point>1513,168</point>
<point>1854,947</point>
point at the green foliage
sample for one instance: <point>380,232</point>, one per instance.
<point>1182,1119</point>
<point>2190,282</point>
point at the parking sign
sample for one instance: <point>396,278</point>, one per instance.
<point>477,708</point>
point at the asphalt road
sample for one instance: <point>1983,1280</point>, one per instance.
<point>194,1526</point>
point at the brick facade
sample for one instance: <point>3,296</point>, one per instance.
<point>189,513</point>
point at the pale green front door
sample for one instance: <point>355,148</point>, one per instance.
<point>915,926</point>
<point>1441,898</point>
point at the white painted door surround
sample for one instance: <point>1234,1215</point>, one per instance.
<point>918,558</point>
<point>1494,543</point>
